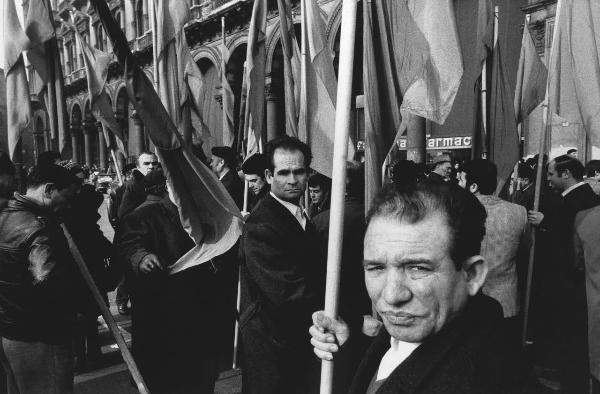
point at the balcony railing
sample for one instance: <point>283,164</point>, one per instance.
<point>203,9</point>
<point>75,76</point>
<point>144,41</point>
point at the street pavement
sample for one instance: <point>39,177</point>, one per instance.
<point>111,375</point>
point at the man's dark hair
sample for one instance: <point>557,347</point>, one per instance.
<point>566,162</point>
<point>482,172</point>
<point>465,216</point>
<point>227,154</point>
<point>289,144</point>
<point>47,158</point>
<point>591,168</point>
<point>59,176</point>
<point>318,179</point>
<point>525,171</point>
<point>406,173</point>
<point>572,150</point>
<point>255,165</point>
<point>7,167</point>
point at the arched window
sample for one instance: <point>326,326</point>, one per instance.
<point>70,67</point>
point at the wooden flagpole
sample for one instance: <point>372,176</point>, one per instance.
<point>546,132</point>
<point>108,317</point>
<point>338,190</point>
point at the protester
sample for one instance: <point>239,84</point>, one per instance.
<point>505,243</point>
<point>133,192</point>
<point>115,194</point>
<point>442,169</point>
<point>424,273</point>
<point>282,279</point>
<point>572,152</point>
<point>36,276</point>
<point>524,195</point>
<point>587,258</point>
<point>173,342</point>
<point>224,164</point>
<point>82,222</point>
<point>7,179</point>
<point>254,168</point>
<point>319,189</point>
<point>565,175</point>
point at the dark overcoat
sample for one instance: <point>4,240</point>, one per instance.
<point>282,279</point>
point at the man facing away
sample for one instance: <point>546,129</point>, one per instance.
<point>36,285</point>
<point>505,239</point>
<point>282,278</point>
<point>254,168</point>
<point>423,273</point>
<point>223,163</point>
<point>7,178</point>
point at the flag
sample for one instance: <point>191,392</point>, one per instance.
<point>291,67</point>
<point>173,56</point>
<point>206,210</point>
<point>574,71</point>
<point>412,62</point>
<point>256,58</point>
<point>318,91</point>
<point>531,78</point>
<point>39,30</point>
<point>18,108</point>
<point>228,99</point>
<point>96,65</point>
<point>503,135</point>
<point>485,31</point>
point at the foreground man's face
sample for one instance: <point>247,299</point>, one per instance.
<point>411,277</point>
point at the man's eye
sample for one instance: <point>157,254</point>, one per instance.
<point>419,268</point>
<point>373,268</point>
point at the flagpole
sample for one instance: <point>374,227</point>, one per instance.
<point>154,48</point>
<point>338,190</point>
<point>108,317</point>
<point>223,77</point>
<point>58,84</point>
<point>546,132</point>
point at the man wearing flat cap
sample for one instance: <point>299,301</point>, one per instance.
<point>442,169</point>
<point>224,163</point>
<point>254,171</point>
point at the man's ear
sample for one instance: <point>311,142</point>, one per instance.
<point>268,176</point>
<point>48,189</point>
<point>473,188</point>
<point>566,174</point>
<point>475,269</point>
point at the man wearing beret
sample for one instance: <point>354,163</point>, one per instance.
<point>224,163</point>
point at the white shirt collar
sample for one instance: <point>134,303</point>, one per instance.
<point>397,353</point>
<point>568,190</point>
<point>294,209</point>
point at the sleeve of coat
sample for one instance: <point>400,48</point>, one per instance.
<point>281,283</point>
<point>133,241</point>
<point>578,251</point>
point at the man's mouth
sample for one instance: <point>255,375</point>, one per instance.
<point>399,318</point>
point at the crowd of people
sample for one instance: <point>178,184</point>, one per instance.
<point>440,257</point>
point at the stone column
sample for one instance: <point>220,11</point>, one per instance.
<point>101,147</point>
<point>272,113</point>
<point>137,134</point>
<point>87,143</point>
<point>416,144</point>
<point>92,33</point>
<point>75,130</point>
<point>47,139</point>
<point>36,148</point>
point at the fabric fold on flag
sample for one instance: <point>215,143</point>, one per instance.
<point>39,30</point>
<point>503,135</point>
<point>574,71</point>
<point>206,210</point>
<point>316,123</point>
<point>96,64</point>
<point>18,108</point>
<point>412,64</point>
<point>256,58</point>
<point>485,31</point>
<point>531,78</point>
<point>291,67</point>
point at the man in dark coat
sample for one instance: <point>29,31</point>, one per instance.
<point>565,175</point>
<point>424,273</point>
<point>173,342</point>
<point>224,164</point>
<point>133,191</point>
<point>282,279</point>
<point>7,177</point>
<point>254,168</point>
<point>442,169</point>
<point>36,285</point>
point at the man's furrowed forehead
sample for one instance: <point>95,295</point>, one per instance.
<point>288,158</point>
<point>144,158</point>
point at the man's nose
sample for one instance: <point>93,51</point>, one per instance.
<point>396,290</point>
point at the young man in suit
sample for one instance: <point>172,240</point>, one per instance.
<point>282,279</point>
<point>424,274</point>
